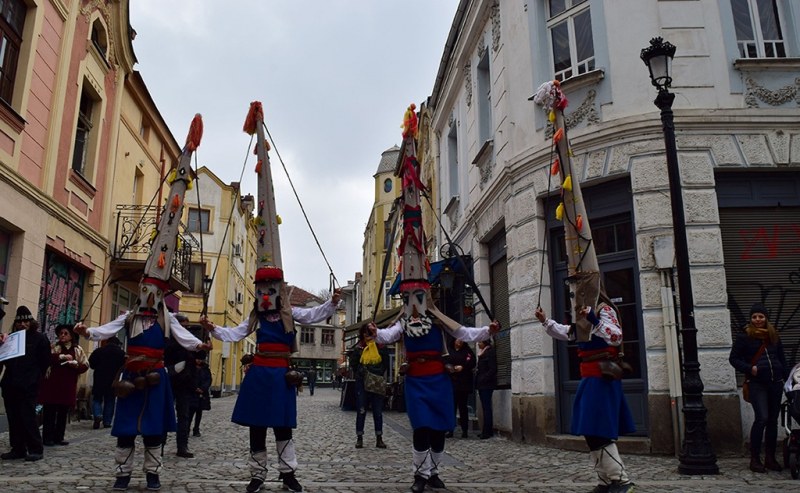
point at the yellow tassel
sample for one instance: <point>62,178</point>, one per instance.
<point>569,152</point>
<point>560,211</point>
<point>179,243</point>
<point>189,185</point>
<point>370,355</point>
<point>162,260</point>
<point>567,185</point>
<point>278,218</point>
<point>153,235</point>
<point>171,176</point>
<point>552,116</point>
<point>579,222</point>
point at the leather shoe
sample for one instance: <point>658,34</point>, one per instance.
<point>33,457</point>
<point>12,455</point>
<point>436,483</point>
<point>185,454</point>
<point>419,484</point>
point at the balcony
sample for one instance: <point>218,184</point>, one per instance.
<point>131,247</point>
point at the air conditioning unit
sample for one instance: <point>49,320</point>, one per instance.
<point>239,298</point>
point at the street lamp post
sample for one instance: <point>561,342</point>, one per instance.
<point>696,455</point>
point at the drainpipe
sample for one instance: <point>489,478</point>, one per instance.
<point>664,252</point>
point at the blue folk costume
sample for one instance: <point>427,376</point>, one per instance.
<point>600,412</point>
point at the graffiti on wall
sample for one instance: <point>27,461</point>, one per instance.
<point>60,294</point>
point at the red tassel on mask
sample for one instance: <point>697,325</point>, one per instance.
<point>195,133</point>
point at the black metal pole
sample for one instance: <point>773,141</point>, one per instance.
<point>696,455</point>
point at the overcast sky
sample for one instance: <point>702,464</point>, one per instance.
<point>334,78</point>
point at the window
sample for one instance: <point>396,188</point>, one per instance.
<point>99,37</point>
<point>570,27</point>
<point>387,233</point>
<point>758,29</point>
<point>122,300</point>
<point>197,272</point>
<point>387,185</point>
<point>237,250</point>
<point>144,130</point>
<point>452,158</point>
<point>83,133</point>
<point>328,337</point>
<point>387,298</point>
<point>484,99</point>
<point>12,20</point>
<point>307,335</point>
<point>198,220</point>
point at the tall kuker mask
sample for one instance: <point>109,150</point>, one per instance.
<point>269,284</point>
<point>416,321</point>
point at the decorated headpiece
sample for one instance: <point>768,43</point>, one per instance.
<point>272,299</point>
<point>414,265</point>
<point>154,286</point>
<point>584,270</point>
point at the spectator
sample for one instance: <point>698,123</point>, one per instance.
<point>181,367</point>
<point>58,389</point>
<point>462,361</point>
<point>758,353</point>
<point>200,400</point>
<point>485,382</point>
<point>106,362</point>
<point>369,363</point>
<point>20,386</point>
<point>311,376</point>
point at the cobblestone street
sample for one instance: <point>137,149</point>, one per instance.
<point>329,462</point>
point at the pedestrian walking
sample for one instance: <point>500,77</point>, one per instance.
<point>370,365</point>
<point>311,376</point>
<point>59,387</point>
<point>20,385</point>
<point>599,413</point>
<point>267,397</point>
<point>145,404</point>
<point>105,362</point>
<point>485,382</point>
<point>462,361</point>
<point>181,369</point>
<point>201,399</point>
<point>758,353</point>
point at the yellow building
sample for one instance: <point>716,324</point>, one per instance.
<point>222,224</point>
<point>376,236</point>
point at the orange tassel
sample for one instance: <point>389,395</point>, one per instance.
<point>255,115</point>
<point>162,260</point>
<point>555,167</point>
<point>258,167</point>
<point>195,133</point>
<point>427,265</point>
<point>558,135</point>
<point>176,202</point>
<point>579,222</point>
<point>410,124</point>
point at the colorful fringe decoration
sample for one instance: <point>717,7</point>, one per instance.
<point>410,124</point>
<point>556,166</point>
<point>176,203</point>
<point>567,185</point>
<point>258,167</point>
<point>560,211</point>
<point>278,219</point>
<point>579,223</point>
<point>558,135</point>
<point>255,114</point>
<point>195,133</point>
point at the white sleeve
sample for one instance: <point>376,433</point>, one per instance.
<point>231,334</point>
<point>608,328</point>
<point>556,330</point>
<point>182,335</point>
<point>389,334</point>
<point>106,331</point>
<point>314,314</point>
<point>472,334</point>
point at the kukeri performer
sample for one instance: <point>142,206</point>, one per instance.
<point>145,405</point>
<point>599,412</point>
<point>148,408</point>
<point>428,387</point>
<point>267,397</point>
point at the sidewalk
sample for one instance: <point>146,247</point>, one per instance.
<point>329,462</point>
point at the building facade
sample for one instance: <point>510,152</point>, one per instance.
<point>319,345</point>
<point>738,137</point>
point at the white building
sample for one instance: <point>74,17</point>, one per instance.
<point>736,76</point>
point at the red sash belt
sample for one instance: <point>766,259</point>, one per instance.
<point>266,355</point>
<point>424,363</point>
<point>592,368</point>
<point>142,358</point>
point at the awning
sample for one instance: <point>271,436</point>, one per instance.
<point>382,318</point>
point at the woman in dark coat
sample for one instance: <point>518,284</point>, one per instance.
<point>58,391</point>
<point>200,400</point>
<point>758,353</point>
<point>364,397</point>
<point>485,382</point>
<point>462,360</point>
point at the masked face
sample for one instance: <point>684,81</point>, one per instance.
<point>416,321</point>
<point>151,297</point>
<point>268,296</point>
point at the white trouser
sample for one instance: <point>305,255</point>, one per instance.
<point>124,459</point>
<point>258,465</point>
<point>436,459</point>
<point>152,460</point>
<point>608,464</point>
<point>422,462</point>
<point>287,458</point>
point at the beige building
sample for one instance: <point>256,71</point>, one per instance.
<point>222,223</point>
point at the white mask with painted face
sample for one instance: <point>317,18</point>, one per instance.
<point>415,321</point>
